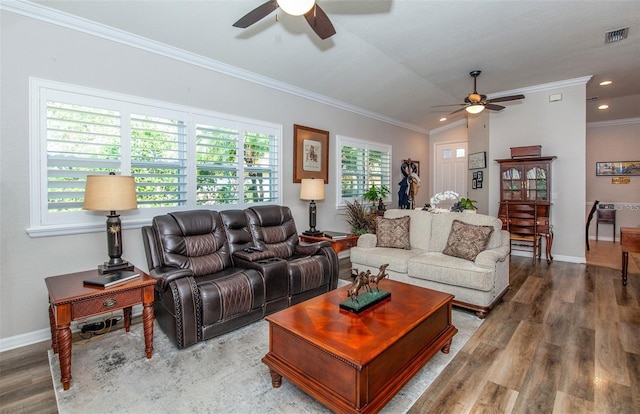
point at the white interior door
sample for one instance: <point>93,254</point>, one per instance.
<point>451,167</point>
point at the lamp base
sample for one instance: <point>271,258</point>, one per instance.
<point>108,268</point>
<point>314,233</point>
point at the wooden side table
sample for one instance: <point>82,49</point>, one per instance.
<point>339,245</point>
<point>630,243</point>
<point>70,300</point>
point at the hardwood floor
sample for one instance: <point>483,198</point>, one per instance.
<point>565,339</point>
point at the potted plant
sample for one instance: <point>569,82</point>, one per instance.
<point>375,194</point>
<point>464,205</point>
<point>358,218</point>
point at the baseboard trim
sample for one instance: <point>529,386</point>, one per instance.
<point>556,257</point>
<point>41,335</point>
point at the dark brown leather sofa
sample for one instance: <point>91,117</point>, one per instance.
<point>208,285</point>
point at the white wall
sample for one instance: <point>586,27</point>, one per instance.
<point>560,128</point>
<point>32,48</point>
<point>613,141</point>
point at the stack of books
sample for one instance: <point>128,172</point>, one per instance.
<point>111,279</point>
<point>335,235</point>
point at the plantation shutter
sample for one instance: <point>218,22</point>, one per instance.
<point>362,165</point>
<point>216,165</point>
<point>80,140</point>
<point>260,167</point>
<point>158,160</point>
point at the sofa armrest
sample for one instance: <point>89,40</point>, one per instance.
<point>367,240</point>
<point>489,258</point>
<point>253,256</point>
<point>310,249</point>
<point>165,275</point>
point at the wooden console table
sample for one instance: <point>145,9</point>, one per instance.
<point>69,300</point>
<point>630,243</point>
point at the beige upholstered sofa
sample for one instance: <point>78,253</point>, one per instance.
<point>477,284</point>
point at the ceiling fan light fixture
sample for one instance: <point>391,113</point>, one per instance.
<point>296,7</point>
<point>475,109</point>
<point>474,97</point>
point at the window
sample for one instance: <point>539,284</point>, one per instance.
<point>362,164</point>
<point>181,158</point>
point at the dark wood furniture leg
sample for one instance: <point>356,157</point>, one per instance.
<point>147,321</point>
<point>625,267</point>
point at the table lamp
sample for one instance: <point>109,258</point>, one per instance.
<point>312,189</point>
<point>110,193</point>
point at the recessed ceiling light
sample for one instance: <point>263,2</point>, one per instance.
<point>605,83</point>
<point>605,106</point>
<point>443,119</point>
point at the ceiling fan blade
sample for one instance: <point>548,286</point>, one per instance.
<point>458,110</point>
<point>319,22</point>
<point>506,98</point>
<point>256,14</point>
<point>442,106</point>
<point>494,107</point>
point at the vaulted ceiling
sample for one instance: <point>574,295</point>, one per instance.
<point>399,58</point>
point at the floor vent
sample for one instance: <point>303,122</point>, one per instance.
<point>616,35</point>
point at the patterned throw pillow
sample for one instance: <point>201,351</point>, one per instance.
<point>393,232</point>
<point>466,241</point>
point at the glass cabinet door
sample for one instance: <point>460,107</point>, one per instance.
<point>536,185</point>
<point>512,183</point>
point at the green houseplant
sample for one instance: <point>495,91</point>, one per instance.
<point>464,204</point>
<point>375,194</point>
<point>358,218</point>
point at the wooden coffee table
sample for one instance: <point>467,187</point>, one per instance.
<point>357,363</point>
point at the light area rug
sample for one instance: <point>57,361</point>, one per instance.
<point>221,375</point>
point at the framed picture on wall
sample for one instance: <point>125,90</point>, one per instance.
<point>618,168</point>
<point>474,184</point>
<point>478,160</point>
<point>310,153</point>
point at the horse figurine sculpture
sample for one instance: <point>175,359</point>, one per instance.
<point>360,281</point>
<point>374,280</point>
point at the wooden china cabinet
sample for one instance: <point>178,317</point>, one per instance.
<point>525,194</point>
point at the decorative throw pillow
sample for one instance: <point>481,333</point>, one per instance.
<point>393,232</point>
<point>466,241</point>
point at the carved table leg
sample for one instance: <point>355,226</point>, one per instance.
<point>64,354</point>
<point>127,318</point>
<point>447,347</point>
<point>147,321</point>
<point>54,330</point>
<point>276,379</point>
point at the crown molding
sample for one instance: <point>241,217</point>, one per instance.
<point>443,128</point>
<point>625,121</point>
<point>72,22</point>
<point>543,87</point>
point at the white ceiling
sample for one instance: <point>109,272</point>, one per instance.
<point>398,58</point>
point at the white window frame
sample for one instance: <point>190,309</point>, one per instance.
<point>43,223</point>
<point>362,144</point>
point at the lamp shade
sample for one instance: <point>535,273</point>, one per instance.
<point>475,109</point>
<point>312,189</point>
<point>110,193</point>
<point>296,7</point>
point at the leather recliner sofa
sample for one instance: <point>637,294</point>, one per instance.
<point>208,285</point>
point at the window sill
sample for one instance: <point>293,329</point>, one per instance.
<point>79,228</point>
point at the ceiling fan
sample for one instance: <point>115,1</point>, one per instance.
<point>475,103</point>
<point>315,16</point>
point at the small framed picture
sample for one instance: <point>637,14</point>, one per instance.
<point>478,160</point>
<point>474,184</point>
<point>480,175</point>
<point>479,183</point>
<point>475,175</point>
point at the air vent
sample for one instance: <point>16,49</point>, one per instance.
<point>616,35</point>
<point>592,98</point>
